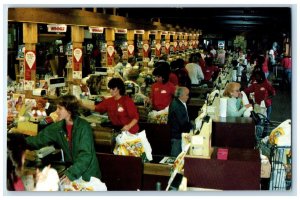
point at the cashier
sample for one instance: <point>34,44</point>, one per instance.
<point>162,91</point>
<point>120,108</point>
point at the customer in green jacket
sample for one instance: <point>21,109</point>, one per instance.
<point>74,136</point>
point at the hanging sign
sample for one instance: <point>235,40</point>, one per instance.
<point>110,54</point>
<point>139,32</point>
<point>96,29</point>
<point>30,63</point>
<point>175,46</point>
<point>185,43</point>
<point>58,28</point>
<point>120,31</point>
<point>157,49</point>
<point>145,49</point>
<point>130,49</point>
<point>77,58</point>
<point>167,47</point>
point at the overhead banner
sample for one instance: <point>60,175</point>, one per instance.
<point>57,28</point>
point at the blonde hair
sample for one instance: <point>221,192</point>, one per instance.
<point>230,87</point>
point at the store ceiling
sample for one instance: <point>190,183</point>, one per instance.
<point>236,20</point>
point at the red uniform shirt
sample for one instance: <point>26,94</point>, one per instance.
<point>208,71</point>
<point>162,95</point>
<point>265,67</point>
<point>286,63</point>
<point>173,79</point>
<point>261,92</point>
<point>120,112</point>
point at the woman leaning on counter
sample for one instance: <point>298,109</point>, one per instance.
<point>235,107</point>
<point>120,108</point>
<point>74,136</point>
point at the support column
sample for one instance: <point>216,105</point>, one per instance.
<point>30,38</point>
<point>146,48</point>
<point>77,38</point>
<point>167,45</point>
<point>110,51</point>
<point>158,43</point>
<point>185,41</point>
<point>130,42</point>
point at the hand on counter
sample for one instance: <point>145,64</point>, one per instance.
<point>64,180</point>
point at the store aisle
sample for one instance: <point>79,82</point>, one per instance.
<point>282,105</point>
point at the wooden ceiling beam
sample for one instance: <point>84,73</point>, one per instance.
<point>75,17</point>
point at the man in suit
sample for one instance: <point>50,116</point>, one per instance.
<point>178,119</point>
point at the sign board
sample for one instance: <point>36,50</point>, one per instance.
<point>96,29</point>
<point>57,28</point>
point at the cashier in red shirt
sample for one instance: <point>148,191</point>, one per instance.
<point>120,108</point>
<point>162,91</point>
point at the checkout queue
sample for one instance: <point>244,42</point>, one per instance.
<point>116,100</point>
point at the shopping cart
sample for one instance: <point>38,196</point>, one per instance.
<point>281,165</point>
<point>263,126</point>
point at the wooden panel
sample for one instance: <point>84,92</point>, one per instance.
<point>77,34</point>
<point>30,33</point>
<point>157,169</point>
<point>121,172</point>
<point>159,137</point>
<point>237,132</point>
<point>71,16</point>
<point>240,172</point>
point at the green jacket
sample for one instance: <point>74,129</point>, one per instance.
<point>83,155</point>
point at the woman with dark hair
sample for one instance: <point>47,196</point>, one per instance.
<point>75,137</point>
<point>162,91</point>
<point>120,108</point>
<point>263,91</point>
<point>16,147</point>
<point>182,74</point>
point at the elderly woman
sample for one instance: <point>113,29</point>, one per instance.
<point>235,107</point>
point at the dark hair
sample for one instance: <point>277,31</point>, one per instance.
<point>16,147</point>
<point>117,83</point>
<point>163,70</point>
<point>180,63</point>
<point>70,102</point>
<point>259,76</point>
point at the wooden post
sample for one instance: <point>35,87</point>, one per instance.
<point>77,37</point>
<point>30,38</point>
<point>167,43</point>
<point>158,44</point>
<point>110,39</point>
<point>146,44</point>
<point>130,42</point>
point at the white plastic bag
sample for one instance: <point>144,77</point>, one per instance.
<point>95,184</point>
<point>133,145</point>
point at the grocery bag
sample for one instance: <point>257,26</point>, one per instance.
<point>137,145</point>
